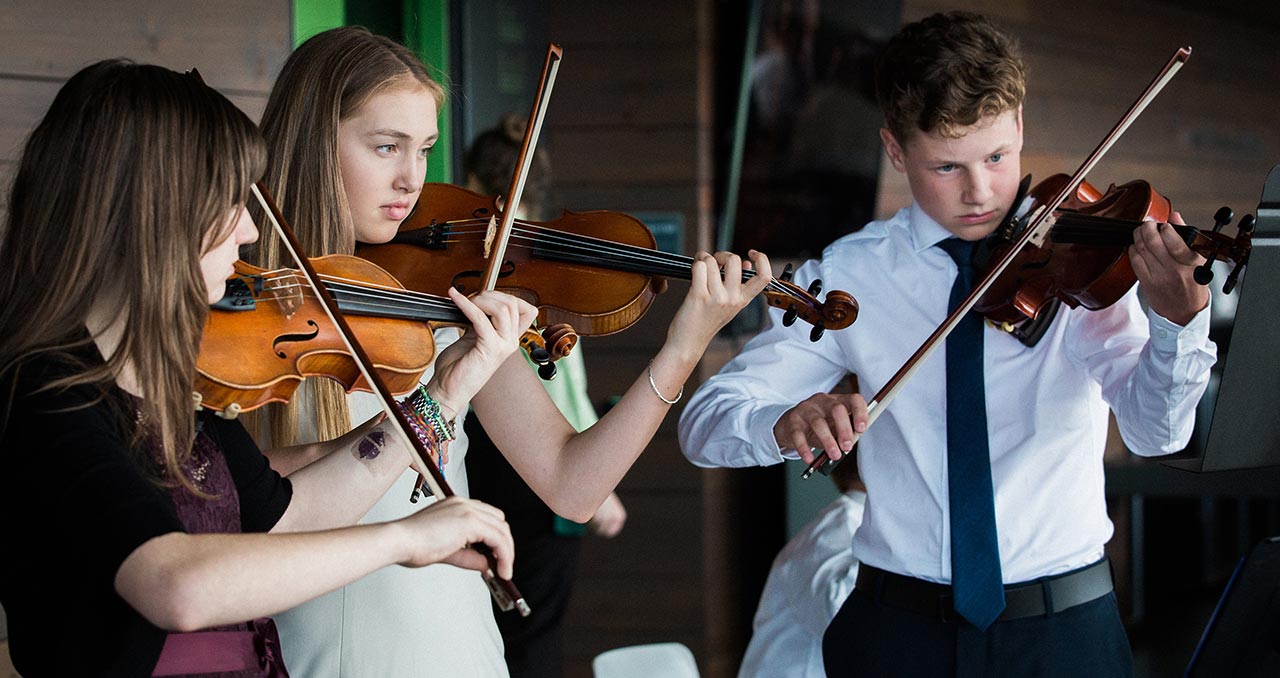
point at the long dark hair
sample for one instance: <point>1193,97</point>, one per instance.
<point>130,173</point>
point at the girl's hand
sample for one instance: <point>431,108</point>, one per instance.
<point>497,322</point>
<point>713,300</point>
<point>442,532</point>
<point>609,518</point>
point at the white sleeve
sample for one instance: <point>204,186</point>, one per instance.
<point>1152,371</point>
<point>729,420</point>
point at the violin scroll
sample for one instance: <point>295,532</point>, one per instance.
<point>839,310</point>
<point>547,346</point>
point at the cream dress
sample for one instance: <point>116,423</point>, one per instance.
<point>399,622</point>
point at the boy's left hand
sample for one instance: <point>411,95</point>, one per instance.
<point>1164,265</point>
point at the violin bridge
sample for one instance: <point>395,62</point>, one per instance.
<point>489,235</point>
<point>287,292</point>
<point>1043,228</point>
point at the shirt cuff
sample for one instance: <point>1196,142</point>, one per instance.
<point>1170,337</point>
<point>762,434</point>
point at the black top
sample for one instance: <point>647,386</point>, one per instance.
<point>76,500</point>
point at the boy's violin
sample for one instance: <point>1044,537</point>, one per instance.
<point>1082,260</point>
<point>596,271</point>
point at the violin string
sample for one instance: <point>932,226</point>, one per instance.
<point>349,300</point>
<point>376,296</point>
<point>622,252</point>
<point>1084,229</point>
<point>397,292</point>
<point>634,256</point>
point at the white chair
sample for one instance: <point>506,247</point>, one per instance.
<point>656,660</point>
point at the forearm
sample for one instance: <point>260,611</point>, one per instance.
<point>593,462</point>
<point>1155,401</point>
<point>724,426</point>
<point>286,460</point>
<point>185,582</point>
<point>574,472</point>
<point>349,478</point>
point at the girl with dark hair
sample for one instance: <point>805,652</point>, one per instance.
<point>163,539</point>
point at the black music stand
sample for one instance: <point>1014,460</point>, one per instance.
<point>1242,638</point>
<point>1244,431</point>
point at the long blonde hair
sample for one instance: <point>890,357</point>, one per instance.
<point>325,81</point>
<point>118,187</point>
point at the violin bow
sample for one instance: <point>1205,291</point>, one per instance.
<point>504,591</point>
<point>497,238</point>
<point>499,232</point>
<point>1038,227</point>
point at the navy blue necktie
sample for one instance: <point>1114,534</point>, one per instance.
<point>976,580</point>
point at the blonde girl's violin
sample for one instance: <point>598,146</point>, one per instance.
<point>596,271</point>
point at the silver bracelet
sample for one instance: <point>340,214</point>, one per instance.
<point>659,393</point>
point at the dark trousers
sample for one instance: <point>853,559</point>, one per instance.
<point>546,567</point>
<point>868,638</point>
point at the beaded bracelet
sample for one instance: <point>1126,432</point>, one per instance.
<point>422,431</point>
<point>428,410</point>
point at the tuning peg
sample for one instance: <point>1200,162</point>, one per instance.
<point>539,355</point>
<point>1232,278</point>
<point>1204,272</point>
<point>789,318</point>
<point>1247,222</point>
<point>1221,218</point>
<point>816,333</point>
<point>1243,230</point>
<point>787,273</point>
<point>815,287</point>
<point>547,371</point>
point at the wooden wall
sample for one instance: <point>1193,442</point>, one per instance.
<point>628,130</point>
<point>238,45</point>
<point>1207,141</point>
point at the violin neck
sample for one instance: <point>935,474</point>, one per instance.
<point>379,303</point>
<point>1078,229</point>
<point>575,249</point>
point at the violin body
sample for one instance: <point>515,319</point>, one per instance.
<point>270,332</point>
<point>445,246</point>
<point>1093,272</point>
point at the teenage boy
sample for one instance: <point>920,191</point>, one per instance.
<point>982,541</point>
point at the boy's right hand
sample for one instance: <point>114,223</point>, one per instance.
<point>824,421</point>
<point>442,533</point>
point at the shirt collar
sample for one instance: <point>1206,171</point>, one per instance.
<point>925,232</point>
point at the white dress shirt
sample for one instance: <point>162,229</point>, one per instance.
<point>807,584</point>
<point>1046,406</point>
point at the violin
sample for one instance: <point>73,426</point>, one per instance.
<point>597,271</point>
<point>308,278</point>
<point>1083,261</point>
<point>269,332</point>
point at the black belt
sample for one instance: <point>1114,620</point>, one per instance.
<point>1031,599</point>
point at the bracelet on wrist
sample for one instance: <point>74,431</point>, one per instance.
<point>653,385</point>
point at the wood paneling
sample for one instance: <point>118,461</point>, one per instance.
<point>1208,140</point>
<point>238,46</point>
